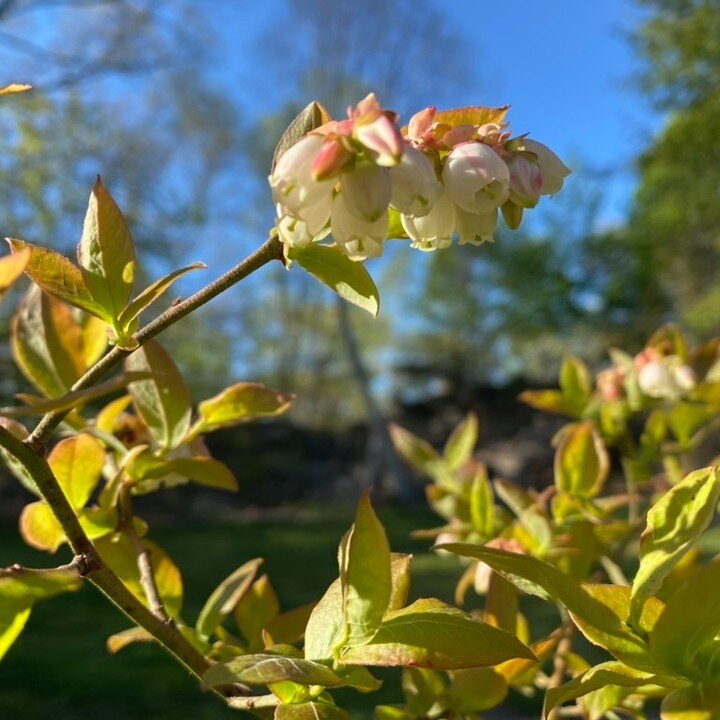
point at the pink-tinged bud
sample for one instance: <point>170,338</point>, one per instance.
<point>476,178</point>
<point>458,135</point>
<point>512,214</point>
<point>368,106</point>
<point>473,228</point>
<point>434,230</point>
<point>332,157</point>
<point>494,134</point>
<point>382,137</point>
<point>357,238</point>
<point>483,571</point>
<point>366,191</point>
<point>552,168</point>
<point>610,384</point>
<point>525,180</point>
<point>414,184</point>
<point>420,125</point>
<point>292,182</point>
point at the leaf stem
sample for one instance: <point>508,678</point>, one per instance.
<point>270,250</point>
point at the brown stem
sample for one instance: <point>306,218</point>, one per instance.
<point>560,663</point>
<point>270,250</point>
<point>144,562</point>
<point>72,568</point>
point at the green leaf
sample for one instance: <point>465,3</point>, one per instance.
<point>75,398</point>
<point>700,702</point>
<point>106,253</point>
<point>482,503</point>
<point>39,528</point>
<point>422,689</point>
<point>431,634</point>
<point>576,384</point>
<point>237,404</point>
<point>348,279</point>
<point>537,577</point>
<point>50,346</point>
<point>417,452</point>
<point>608,673</point>
<point>461,443</point>
<point>674,525</point>
<point>263,669</point>
<point>552,401</point>
<point>310,711</point>
<point>472,115</point>
<point>689,622</point>
<point>289,627</point>
<point>148,472</point>
<point>581,462</point>
<point>325,631</point>
<point>163,402</point>
<point>365,576</point>
<point>225,597</point>
<point>255,610</point>
<point>115,643</point>
<point>311,117</point>
<point>55,274</point>
<point>472,691</point>
<point>12,463</point>
<point>151,293</point>
<point>11,268</point>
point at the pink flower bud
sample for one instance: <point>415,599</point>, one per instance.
<point>434,230</point>
<point>332,157</point>
<point>357,238</point>
<point>382,137</point>
<point>552,168</point>
<point>366,191</point>
<point>292,183</point>
<point>525,180</point>
<point>473,228</point>
<point>414,185</point>
<point>420,126</point>
<point>476,178</point>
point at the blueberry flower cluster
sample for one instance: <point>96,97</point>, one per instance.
<point>444,175</point>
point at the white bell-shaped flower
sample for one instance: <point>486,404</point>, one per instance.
<point>414,186</point>
<point>292,183</point>
<point>476,177</point>
<point>357,238</point>
<point>473,228</point>
<point>366,191</point>
<point>301,229</point>
<point>434,230</point>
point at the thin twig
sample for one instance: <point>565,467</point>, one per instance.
<point>15,570</point>
<point>270,250</point>
<point>560,663</point>
<point>144,561</point>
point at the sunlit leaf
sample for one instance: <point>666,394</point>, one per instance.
<point>431,634</point>
<point>575,384</point>
<point>700,702</point>
<point>14,615</point>
<point>163,402</point>
<point>14,88</point>
<point>11,268</point>
<point>55,274</point>
<point>461,443</point>
<point>348,279</point>
<point>472,115</point>
<point>39,528</point>
<point>106,253</point>
<point>262,669</point>
<point>237,404</point>
<point>472,691</point>
<point>414,450</point>
<point>255,610</point>
<point>77,464</point>
<point>151,293</point>
<point>225,597</point>
<point>310,711</point>
<point>674,524</point>
<point>289,627</point>
<point>581,462</point>
<point>115,643</point>
<point>365,577</point>
<point>325,631</point>
<point>400,575</point>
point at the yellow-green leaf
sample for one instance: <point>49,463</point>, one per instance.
<point>11,268</point>
<point>55,274</point>
<point>310,711</point>
<point>581,462</point>
<point>14,88</point>
<point>39,528</point>
<point>700,702</point>
<point>472,115</point>
<point>106,253</point>
<point>674,525</point>
<point>254,611</point>
<point>77,463</point>
<point>163,402</point>
<point>431,634</point>
<point>237,404</point>
<point>365,576</point>
<point>461,443</point>
<point>225,597</point>
<point>348,279</point>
